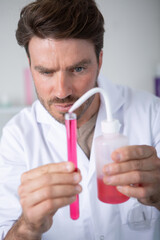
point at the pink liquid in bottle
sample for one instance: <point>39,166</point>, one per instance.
<point>104,146</point>
<point>109,194</point>
<point>71,128</point>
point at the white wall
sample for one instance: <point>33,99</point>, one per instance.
<point>131,52</point>
<point>132,41</point>
<point>12,57</point>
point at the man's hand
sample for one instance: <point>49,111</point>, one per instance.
<point>43,191</point>
<point>136,173</point>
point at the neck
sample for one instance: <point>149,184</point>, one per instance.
<point>93,109</point>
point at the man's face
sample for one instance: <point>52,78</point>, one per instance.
<point>63,70</point>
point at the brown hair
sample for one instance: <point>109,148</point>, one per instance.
<point>60,19</point>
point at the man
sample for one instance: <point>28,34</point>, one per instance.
<point>64,41</point>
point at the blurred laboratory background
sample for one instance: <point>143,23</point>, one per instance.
<point>131,51</point>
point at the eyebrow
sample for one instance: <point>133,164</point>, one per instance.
<point>43,69</point>
<point>83,62</point>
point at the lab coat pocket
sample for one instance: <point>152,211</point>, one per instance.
<point>137,216</point>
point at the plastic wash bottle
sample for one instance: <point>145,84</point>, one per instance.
<point>105,144</point>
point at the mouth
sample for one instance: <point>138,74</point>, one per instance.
<point>63,107</point>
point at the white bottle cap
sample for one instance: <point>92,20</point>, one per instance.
<point>110,126</point>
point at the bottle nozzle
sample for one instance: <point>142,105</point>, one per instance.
<point>108,126</point>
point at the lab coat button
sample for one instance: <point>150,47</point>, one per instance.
<point>101,237</point>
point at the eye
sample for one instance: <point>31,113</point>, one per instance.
<point>79,69</point>
<point>46,73</point>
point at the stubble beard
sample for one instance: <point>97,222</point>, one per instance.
<point>70,99</point>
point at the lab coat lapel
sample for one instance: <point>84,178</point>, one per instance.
<point>55,134</point>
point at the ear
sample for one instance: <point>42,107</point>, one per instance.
<point>100,60</point>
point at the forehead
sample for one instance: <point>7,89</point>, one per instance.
<point>61,49</point>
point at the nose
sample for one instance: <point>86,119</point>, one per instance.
<point>63,86</point>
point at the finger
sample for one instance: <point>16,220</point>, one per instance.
<point>49,207</point>
<point>63,167</point>
<point>133,152</point>
<point>48,180</point>
<point>58,191</point>
<point>148,164</point>
<point>141,193</point>
<point>134,177</point>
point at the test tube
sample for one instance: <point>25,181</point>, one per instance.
<point>71,129</point>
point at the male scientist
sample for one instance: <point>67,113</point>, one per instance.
<point>63,41</point>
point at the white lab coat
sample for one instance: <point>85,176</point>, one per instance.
<point>34,138</point>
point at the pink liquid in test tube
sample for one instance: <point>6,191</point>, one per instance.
<point>71,128</point>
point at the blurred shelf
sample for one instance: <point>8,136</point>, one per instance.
<point>11,109</point>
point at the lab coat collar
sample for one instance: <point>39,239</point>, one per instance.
<point>43,116</point>
<point>114,93</point>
